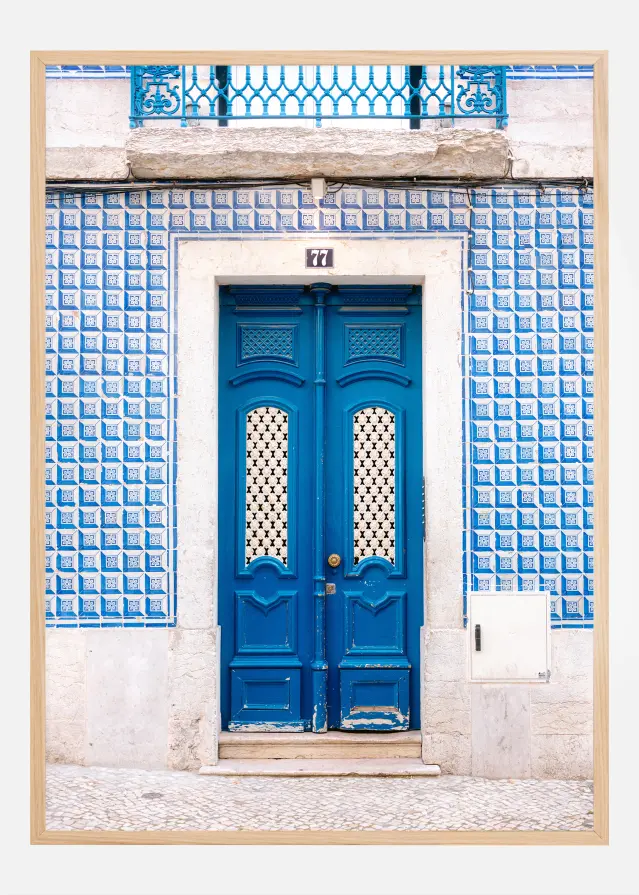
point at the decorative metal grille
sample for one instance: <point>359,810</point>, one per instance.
<point>374,341</point>
<point>266,483</point>
<point>221,92</point>
<point>266,341</point>
<point>374,483</point>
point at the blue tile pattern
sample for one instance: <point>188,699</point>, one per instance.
<point>519,72</point>
<point>527,315</point>
<point>547,72</point>
<point>530,412</point>
<point>88,71</point>
<point>110,414</point>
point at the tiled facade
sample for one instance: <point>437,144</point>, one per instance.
<point>110,414</point>
<point>527,317</point>
<point>518,72</point>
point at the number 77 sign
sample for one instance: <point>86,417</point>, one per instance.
<point>319,258</point>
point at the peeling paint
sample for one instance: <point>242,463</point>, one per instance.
<point>375,717</point>
<point>269,727</point>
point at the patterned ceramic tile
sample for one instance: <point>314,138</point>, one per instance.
<point>518,72</point>
<point>528,380</point>
<point>88,71</point>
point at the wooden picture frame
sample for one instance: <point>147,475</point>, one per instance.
<point>39,833</point>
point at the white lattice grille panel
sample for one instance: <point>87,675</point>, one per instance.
<point>266,483</point>
<point>374,483</point>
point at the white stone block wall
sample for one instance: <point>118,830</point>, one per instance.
<point>508,730</point>
<point>139,698</point>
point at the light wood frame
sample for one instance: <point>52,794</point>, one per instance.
<point>39,833</point>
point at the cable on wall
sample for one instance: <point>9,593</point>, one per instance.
<point>333,186</point>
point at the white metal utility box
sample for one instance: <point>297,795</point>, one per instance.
<point>509,636</point>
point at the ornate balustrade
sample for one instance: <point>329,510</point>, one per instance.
<point>253,93</point>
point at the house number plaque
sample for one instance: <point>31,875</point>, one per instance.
<point>319,258</point>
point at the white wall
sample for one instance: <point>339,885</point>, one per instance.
<point>87,111</point>
<point>508,730</point>
<point>142,698</point>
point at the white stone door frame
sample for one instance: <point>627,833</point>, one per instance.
<point>434,262</point>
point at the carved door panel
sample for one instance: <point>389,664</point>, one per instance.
<point>374,517</point>
<point>265,519</point>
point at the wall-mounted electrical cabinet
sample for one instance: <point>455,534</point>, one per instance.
<point>509,636</point>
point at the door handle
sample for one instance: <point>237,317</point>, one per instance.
<point>334,560</point>
<point>478,638</point>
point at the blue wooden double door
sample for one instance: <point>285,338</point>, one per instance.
<point>321,516</point>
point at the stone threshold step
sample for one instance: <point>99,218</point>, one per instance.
<point>333,736</point>
<point>338,767</point>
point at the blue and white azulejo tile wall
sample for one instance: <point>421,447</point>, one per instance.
<point>526,306</point>
<point>530,359</point>
<point>517,72</point>
<point>110,414</point>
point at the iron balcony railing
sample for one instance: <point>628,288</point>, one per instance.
<point>224,93</point>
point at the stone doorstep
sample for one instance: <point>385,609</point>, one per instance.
<point>331,736</point>
<point>337,767</point>
<point>333,744</point>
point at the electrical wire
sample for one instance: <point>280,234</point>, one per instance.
<point>70,188</point>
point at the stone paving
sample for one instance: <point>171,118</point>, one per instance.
<point>80,798</point>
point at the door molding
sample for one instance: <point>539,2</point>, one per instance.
<point>435,263</point>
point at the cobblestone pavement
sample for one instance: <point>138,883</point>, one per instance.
<point>80,798</point>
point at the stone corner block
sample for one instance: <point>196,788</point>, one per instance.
<point>301,152</point>
<point>86,163</point>
<point>192,699</point>
<point>561,717</point>
<point>190,744</point>
<point>127,705</point>
<point>451,752</point>
<point>571,679</point>
<point>501,731</point>
<point>562,757</point>
<point>545,160</point>
<point>446,655</point>
<point>65,742</point>
<point>446,707</point>
<point>65,674</point>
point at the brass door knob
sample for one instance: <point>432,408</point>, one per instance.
<point>334,560</point>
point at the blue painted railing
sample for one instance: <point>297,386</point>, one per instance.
<point>228,93</point>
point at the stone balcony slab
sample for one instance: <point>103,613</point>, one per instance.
<point>227,153</point>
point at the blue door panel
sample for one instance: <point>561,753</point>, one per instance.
<point>374,698</point>
<point>374,516</point>
<point>374,625</point>
<point>266,625</point>
<point>265,583</point>
<point>308,375</point>
<point>265,697</point>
